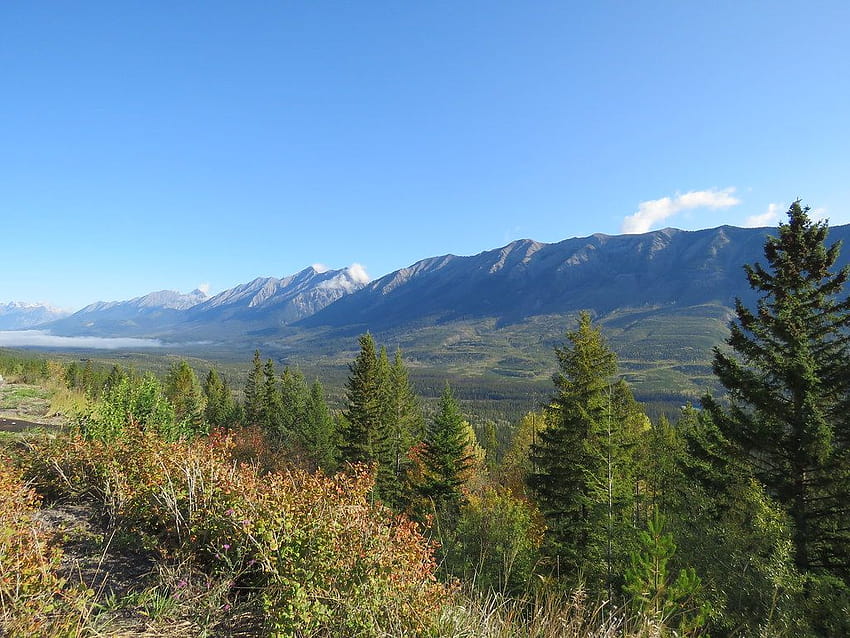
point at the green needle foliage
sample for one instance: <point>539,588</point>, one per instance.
<point>584,464</point>
<point>447,458</point>
<point>786,418</point>
<point>672,602</point>
<point>221,410</point>
<point>363,432</point>
<point>184,391</point>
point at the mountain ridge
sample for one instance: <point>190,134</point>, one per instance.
<point>513,283</point>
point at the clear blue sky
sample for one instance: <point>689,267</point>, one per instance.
<point>157,145</point>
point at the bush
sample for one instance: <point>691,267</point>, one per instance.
<point>34,600</point>
<point>497,541</point>
<point>313,551</point>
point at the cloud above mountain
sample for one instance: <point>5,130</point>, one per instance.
<point>654,211</point>
<point>358,273</point>
<point>768,218</point>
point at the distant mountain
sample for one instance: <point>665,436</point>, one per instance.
<point>663,300</point>
<point>668,273</point>
<point>17,315</point>
<point>141,316</point>
<point>266,303</point>
<point>600,273</point>
<point>282,300</point>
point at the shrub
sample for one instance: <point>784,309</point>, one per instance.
<point>34,600</point>
<point>316,554</point>
<point>497,541</point>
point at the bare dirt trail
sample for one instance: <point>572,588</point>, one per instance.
<point>8,424</point>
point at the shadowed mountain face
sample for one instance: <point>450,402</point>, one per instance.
<point>525,278</point>
<point>662,269</point>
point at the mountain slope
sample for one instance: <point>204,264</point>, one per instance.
<point>281,300</point>
<point>266,303</point>
<point>140,316</point>
<point>17,315</point>
<point>526,278</point>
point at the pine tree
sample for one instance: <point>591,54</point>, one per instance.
<point>404,426</point>
<point>294,394</point>
<point>317,430</point>
<point>447,458</point>
<point>787,417</point>
<point>184,391</point>
<point>363,423</point>
<point>253,403</point>
<point>271,416</point>
<point>221,408</point>
<point>582,460</point>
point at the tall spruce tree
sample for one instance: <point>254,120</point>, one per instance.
<point>316,432</point>
<point>184,391</point>
<point>253,401</point>
<point>271,403</point>
<point>582,461</point>
<point>447,457</point>
<point>221,410</point>
<point>787,414</point>
<point>362,435</point>
<point>404,426</point>
<point>294,396</point>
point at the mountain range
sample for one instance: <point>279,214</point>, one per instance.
<point>661,296</point>
<point>525,278</point>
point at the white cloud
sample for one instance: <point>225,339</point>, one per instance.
<point>654,211</point>
<point>204,288</point>
<point>358,273</point>
<point>349,279</point>
<point>320,268</point>
<point>776,213</point>
<point>43,339</point>
<point>818,214</point>
<point>768,218</point>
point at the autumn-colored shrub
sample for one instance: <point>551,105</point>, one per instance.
<point>34,600</point>
<point>318,556</point>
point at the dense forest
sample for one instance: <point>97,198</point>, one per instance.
<point>270,510</point>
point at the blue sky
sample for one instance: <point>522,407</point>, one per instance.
<point>159,145</point>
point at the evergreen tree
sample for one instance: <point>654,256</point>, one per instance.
<point>221,409</point>
<point>253,402</point>
<point>316,431</point>
<point>294,395</point>
<point>447,458</point>
<point>787,418</point>
<point>362,434</point>
<point>404,426</point>
<point>583,462</point>
<point>271,405</point>
<point>184,391</point>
